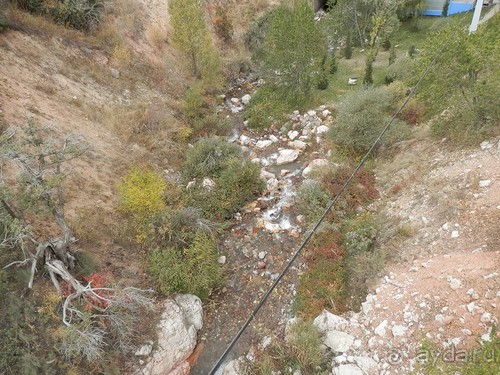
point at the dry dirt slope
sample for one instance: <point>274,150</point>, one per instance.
<point>444,287</point>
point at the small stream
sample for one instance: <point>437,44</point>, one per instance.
<point>257,247</point>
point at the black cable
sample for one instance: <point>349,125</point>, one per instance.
<point>328,209</point>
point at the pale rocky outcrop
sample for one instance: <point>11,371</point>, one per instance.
<point>181,319</point>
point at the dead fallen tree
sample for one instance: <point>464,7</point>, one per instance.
<point>34,164</point>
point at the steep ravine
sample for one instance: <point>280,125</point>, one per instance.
<point>266,234</point>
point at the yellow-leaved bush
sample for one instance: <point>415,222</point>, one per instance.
<point>142,197</point>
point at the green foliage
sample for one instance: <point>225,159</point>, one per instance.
<point>301,350</point>
<point>312,200</point>
<point>4,22</point>
<point>82,15</point>
<point>294,46</point>
<point>266,107</point>
<point>411,51</point>
<point>25,338</point>
<point>363,259</point>
<point>465,80</point>
<point>392,55</point>
<point>368,77</point>
<point>322,83</point>
<point>348,47</point>
<point>222,24</point>
<point>201,115</point>
<point>79,14</point>
<point>208,157</point>
<point>254,36</point>
<point>446,5</point>
<point>237,182</point>
<point>142,197</point>
<point>386,44</point>
<point>190,34</point>
<point>193,269</point>
<point>482,360</point>
<point>361,117</point>
<point>334,65</point>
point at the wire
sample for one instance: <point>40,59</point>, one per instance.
<point>328,209</point>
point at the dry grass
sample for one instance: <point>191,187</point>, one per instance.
<point>156,35</point>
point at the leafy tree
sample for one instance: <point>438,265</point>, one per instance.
<point>348,47</point>
<point>190,34</point>
<point>392,55</point>
<point>361,117</point>
<point>464,78</point>
<point>334,65</point>
<point>294,48</point>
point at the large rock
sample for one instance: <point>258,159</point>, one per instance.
<point>181,319</point>
<point>338,341</point>
<point>316,163</point>
<point>347,370</point>
<point>233,367</point>
<point>327,321</point>
<point>286,156</point>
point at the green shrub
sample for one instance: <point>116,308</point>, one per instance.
<point>334,65</point>
<point>363,260</point>
<point>301,350</point>
<point>237,183</point>
<point>312,200</point>
<point>400,70</point>
<point>4,23</point>
<point>142,197</point>
<point>79,14</point>
<point>266,107</point>
<point>348,47</point>
<point>322,83</point>
<point>361,117</point>
<point>193,269</point>
<point>208,157</point>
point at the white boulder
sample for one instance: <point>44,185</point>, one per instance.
<point>181,319</point>
<point>286,156</point>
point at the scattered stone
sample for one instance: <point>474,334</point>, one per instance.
<point>286,156</point>
<point>347,370</point>
<point>222,259</point>
<point>327,321</point>
<point>486,317</point>
<point>466,331</point>
<point>245,140</point>
<point>262,255</point>
<point>366,364</point>
<point>273,138</point>
<point>235,101</point>
<point>455,234</point>
<point>338,341</point>
<point>115,73</point>
<point>485,145</point>
<point>272,184</point>
<point>470,307</point>
<point>311,113</point>
<point>313,165</point>
<point>263,143</point>
<point>398,330</point>
<point>490,276</point>
<point>321,129</point>
<point>292,134</point>
<point>246,99</point>
<point>145,350</point>
<point>300,145</point>
<point>208,183</point>
<point>484,183</point>
<point>454,283</point>
<point>380,329</point>
<point>261,265</point>
<point>265,175</point>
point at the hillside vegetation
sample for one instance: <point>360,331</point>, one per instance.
<point>118,182</point>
